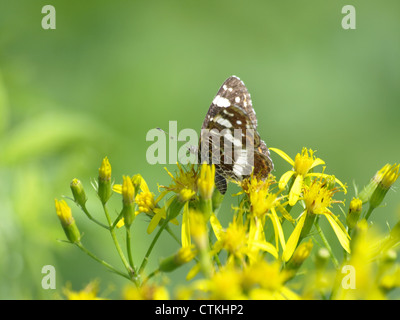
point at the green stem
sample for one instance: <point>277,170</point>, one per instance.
<point>107,265</point>
<point>116,243</point>
<point>117,220</point>
<point>326,244</point>
<point>172,234</point>
<point>150,249</point>
<point>155,272</point>
<point>128,247</point>
<point>93,219</point>
<point>370,209</point>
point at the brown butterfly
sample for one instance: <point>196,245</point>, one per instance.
<point>229,137</point>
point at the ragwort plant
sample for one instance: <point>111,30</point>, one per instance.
<point>253,257</point>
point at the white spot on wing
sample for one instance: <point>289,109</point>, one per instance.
<point>236,142</point>
<point>221,101</point>
<point>224,122</point>
<point>237,99</point>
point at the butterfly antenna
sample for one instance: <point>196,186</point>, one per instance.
<point>162,130</point>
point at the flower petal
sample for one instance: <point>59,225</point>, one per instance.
<point>283,155</point>
<point>317,162</point>
<point>341,234</point>
<point>154,222</point>
<point>278,228</point>
<point>294,193</point>
<point>265,246</point>
<point>285,213</point>
<point>294,238</point>
<point>185,232</point>
<point>216,226</point>
<point>117,188</point>
<point>283,181</point>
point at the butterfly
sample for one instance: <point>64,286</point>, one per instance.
<point>229,137</point>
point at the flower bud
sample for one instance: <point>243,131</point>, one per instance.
<point>67,221</point>
<point>184,255</point>
<point>302,252</point>
<point>388,178</point>
<point>78,192</point>
<point>322,258</point>
<point>104,189</point>
<point>354,212</point>
<point>205,182</point>
<point>174,208</point>
<point>137,181</point>
<point>128,204</point>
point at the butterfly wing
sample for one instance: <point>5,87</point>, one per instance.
<point>232,111</point>
<point>232,92</point>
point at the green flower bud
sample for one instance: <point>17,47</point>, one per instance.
<point>354,212</point>
<point>389,177</point>
<point>104,189</point>
<point>128,195</point>
<point>67,221</point>
<point>78,192</point>
<point>184,255</point>
<point>301,253</point>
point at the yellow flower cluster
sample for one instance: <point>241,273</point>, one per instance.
<point>276,226</point>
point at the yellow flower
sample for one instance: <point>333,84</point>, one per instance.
<point>186,194</point>
<point>184,184</point>
<point>390,176</point>
<point>105,170</point>
<point>264,204</point>
<point>128,191</point>
<point>145,292</point>
<point>261,280</point>
<point>265,280</point>
<point>241,240</point>
<point>361,281</point>
<point>261,199</point>
<point>198,228</point>
<point>205,181</point>
<point>226,284</point>
<point>317,199</point>
<point>64,212</point>
<point>67,221</point>
<point>88,293</point>
<point>146,202</point>
<point>302,165</point>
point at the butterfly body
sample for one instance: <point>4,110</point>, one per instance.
<point>229,137</point>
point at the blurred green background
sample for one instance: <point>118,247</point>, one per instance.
<point>112,70</point>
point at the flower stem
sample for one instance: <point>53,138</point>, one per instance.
<point>370,209</point>
<point>107,265</point>
<point>116,243</point>
<point>85,210</point>
<point>172,234</point>
<point>155,272</point>
<point>128,247</point>
<point>326,243</point>
<point>150,249</point>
